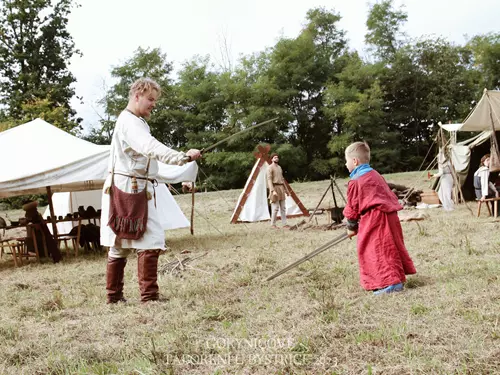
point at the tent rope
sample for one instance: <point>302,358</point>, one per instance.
<point>432,163</point>
<point>428,152</point>
<point>208,221</point>
<point>198,212</point>
<point>222,195</point>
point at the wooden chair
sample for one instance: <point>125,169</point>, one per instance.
<point>6,244</point>
<point>495,206</point>
<point>3,244</point>
<point>19,250</point>
<point>64,238</point>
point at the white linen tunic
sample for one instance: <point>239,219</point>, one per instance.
<point>446,185</point>
<point>484,173</point>
<point>131,146</point>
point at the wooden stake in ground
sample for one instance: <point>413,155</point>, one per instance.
<point>319,250</point>
<point>192,208</point>
<point>52,215</point>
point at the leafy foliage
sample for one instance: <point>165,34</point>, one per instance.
<point>323,95</point>
<point>35,48</point>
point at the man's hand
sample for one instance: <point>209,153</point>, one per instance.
<point>275,193</point>
<point>351,233</point>
<point>482,198</point>
<point>194,154</point>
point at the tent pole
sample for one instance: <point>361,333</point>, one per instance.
<point>52,215</point>
<point>192,209</point>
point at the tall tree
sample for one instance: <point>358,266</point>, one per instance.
<point>145,62</point>
<point>486,51</point>
<point>428,81</point>
<point>35,48</point>
<point>300,69</point>
<point>201,102</point>
<point>355,105</point>
<point>384,28</point>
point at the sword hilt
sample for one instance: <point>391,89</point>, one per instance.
<point>187,159</point>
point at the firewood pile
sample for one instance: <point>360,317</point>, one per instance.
<point>178,265</point>
<point>410,196</point>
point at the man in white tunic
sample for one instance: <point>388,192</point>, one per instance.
<point>131,148</point>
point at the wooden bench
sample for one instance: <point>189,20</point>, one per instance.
<point>487,200</point>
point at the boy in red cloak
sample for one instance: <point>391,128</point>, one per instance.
<point>372,213</point>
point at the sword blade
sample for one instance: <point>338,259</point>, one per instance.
<point>319,250</point>
<point>238,133</point>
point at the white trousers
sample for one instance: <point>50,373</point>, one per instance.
<point>115,252</point>
<point>281,206</point>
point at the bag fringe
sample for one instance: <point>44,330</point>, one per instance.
<point>128,225</point>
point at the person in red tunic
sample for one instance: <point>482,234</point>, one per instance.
<point>371,213</point>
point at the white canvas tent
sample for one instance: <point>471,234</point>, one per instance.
<point>37,156</point>
<point>486,114</point>
<point>465,155</point>
<point>252,204</point>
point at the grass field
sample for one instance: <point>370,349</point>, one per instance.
<point>221,318</point>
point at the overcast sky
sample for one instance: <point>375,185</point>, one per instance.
<point>107,32</point>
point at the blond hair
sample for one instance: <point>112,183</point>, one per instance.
<point>360,151</point>
<point>144,85</point>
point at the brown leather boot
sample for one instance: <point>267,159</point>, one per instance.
<point>114,279</point>
<point>147,272</point>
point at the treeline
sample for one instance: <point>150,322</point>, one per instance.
<point>324,94</point>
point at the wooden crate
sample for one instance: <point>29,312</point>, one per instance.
<point>429,197</point>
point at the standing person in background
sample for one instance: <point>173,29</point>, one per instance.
<point>130,220</point>
<point>277,191</point>
<point>446,182</point>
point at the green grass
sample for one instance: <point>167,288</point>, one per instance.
<point>222,318</point>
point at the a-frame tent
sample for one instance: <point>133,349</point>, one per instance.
<point>252,204</point>
<point>466,155</point>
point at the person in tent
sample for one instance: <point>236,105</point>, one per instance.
<point>483,187</point>
<point>372,214</point>
<point>446,182</point>
<point>277,191</point>
<point>130,220</point>
<point>40,232</point>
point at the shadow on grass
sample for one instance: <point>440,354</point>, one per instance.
<point>417,281</point>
